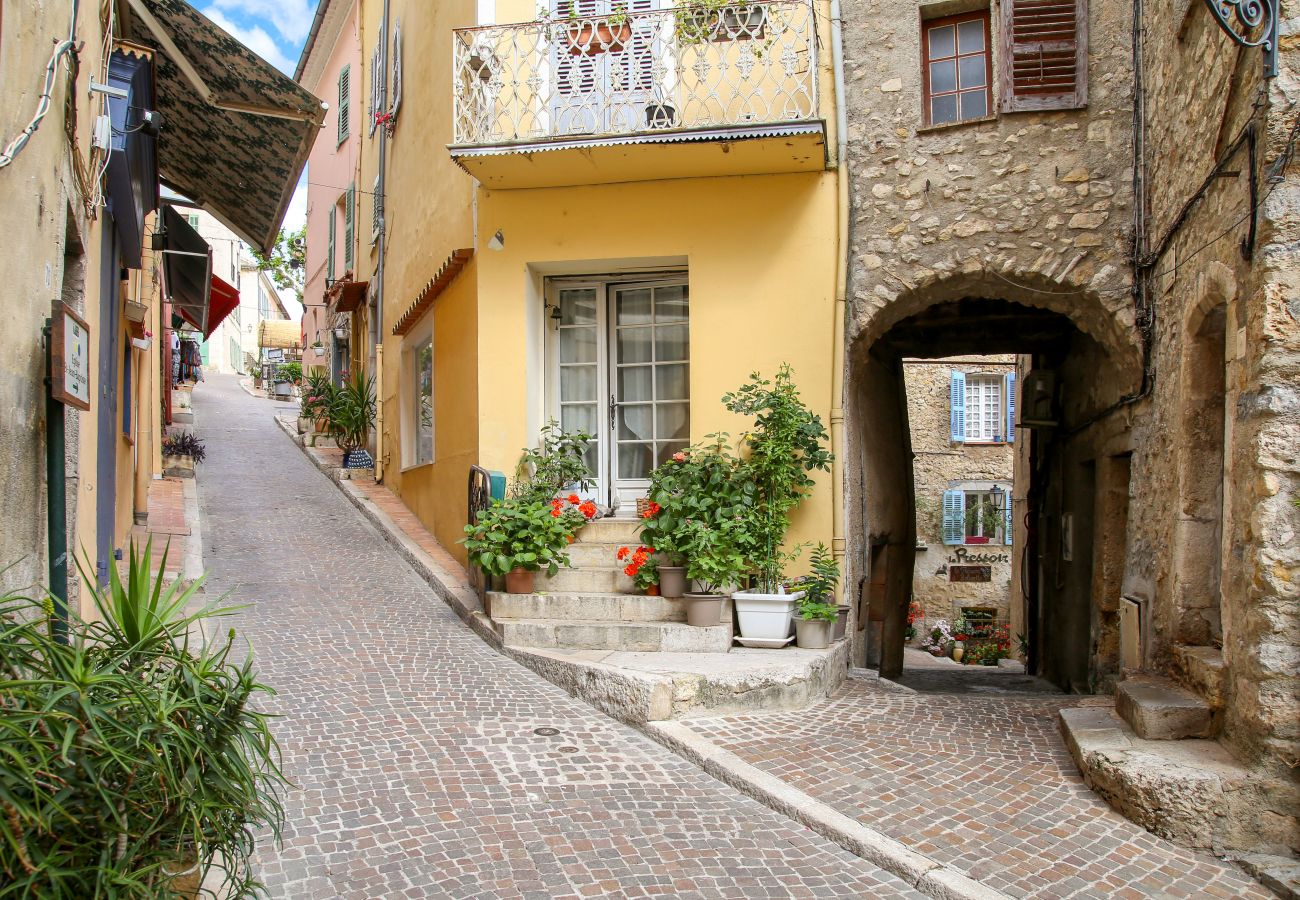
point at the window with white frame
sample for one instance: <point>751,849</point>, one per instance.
<point>982,407</point>
<point>418,409</point>
<point>977,515</point>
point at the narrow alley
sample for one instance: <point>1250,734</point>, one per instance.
<point>413,745</point>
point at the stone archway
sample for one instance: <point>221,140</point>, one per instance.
<point>1089,342</point>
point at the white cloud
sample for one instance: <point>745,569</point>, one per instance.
<point>295,216</point>
<point>255,39</point>
<point>291,18</point>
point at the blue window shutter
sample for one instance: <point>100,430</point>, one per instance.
<point>1011,408</point>
<point>1011,521</point>
<point>957,406</point>
<point>954,517</point>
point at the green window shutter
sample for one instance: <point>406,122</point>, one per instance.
<point>345,99</point>
<point>954,517</point>
<point>329,252</point>
<point>349,227</point>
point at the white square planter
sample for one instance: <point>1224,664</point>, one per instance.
<point>765,616</point>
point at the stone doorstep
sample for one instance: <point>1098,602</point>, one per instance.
<point>594,605</point>
<point>581,634</point>
<point>1158,709</point>
<point>1203,670</point>
<point>1187,791</point>
<point>611,530</point>
<point>590,579</point>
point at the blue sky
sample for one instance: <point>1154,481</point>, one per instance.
<point>273,29</point>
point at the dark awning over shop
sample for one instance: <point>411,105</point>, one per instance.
<point>236,132</point>
<point>223,300</point>
<point>187,270</point>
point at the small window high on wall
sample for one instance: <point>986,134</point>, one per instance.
<point>977,515</point>
<point>982,407</point>
<point>957,69</point>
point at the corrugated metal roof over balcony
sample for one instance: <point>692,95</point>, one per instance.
<point>594,100</point>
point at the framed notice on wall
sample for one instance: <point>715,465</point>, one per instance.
<point>70,358</point>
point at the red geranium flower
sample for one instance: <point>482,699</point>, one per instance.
<point>652,509</point>
<point>574,499</point>
<point>555,512</point>
<point>588,509</point>
<point>622,553</point>
<point>680,457</point>
<point>630,571</point>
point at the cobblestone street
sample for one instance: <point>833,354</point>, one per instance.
<point>982,783</point>
<point>414,747</point>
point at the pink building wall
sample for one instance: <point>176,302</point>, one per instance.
<point>334,42</point>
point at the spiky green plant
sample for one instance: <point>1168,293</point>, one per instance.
<point>130,755</point>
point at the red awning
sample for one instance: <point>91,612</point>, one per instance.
<point>224,300</point>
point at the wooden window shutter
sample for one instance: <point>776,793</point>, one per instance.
<point>349,227</point>
<point>329,250</point>
<point>345,101</point>
<point>1044,54</point>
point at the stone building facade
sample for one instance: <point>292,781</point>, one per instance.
<point>963,464</point>
<point>1124,219</point>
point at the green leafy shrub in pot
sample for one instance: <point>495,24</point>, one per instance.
<point>184,443</point>
<point>518,534</point>
<point>351,412</point>
<point>290,371</point>
<point>557,465</point>
<point>713,558</point>
<point>813,610</point>
<point>819,585</point>
<point>785,445</point>
<point>316,395</point>
<point>132,755</point>
<point>702,484</point>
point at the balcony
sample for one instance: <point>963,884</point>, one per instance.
<point>593,99</point>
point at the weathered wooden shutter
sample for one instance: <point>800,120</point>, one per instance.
<point>376,211</point>
<point>349,226</point>
<point>329,252</point>
<point>954,517</point>
<point>957,406</point>
<point>345,101</point>
<point>1006,533</point>
<point>1044,54</point>
<point>1011,407</point>
<point>376,83</point>
<point>397,69</point>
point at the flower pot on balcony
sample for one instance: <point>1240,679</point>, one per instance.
<point>660,115</point>
<point>594,38</point>
<point>703,610</point>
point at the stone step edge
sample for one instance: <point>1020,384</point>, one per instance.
<point>612,623</point>
<point>925,874</point>
<point>922,872</point>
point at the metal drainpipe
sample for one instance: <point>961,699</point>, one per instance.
<point>838,361</point>
<point>56,503</point>
<point>379,270</point>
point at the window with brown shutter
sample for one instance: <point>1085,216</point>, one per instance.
<point>1044,54</point>
<point>957,73</point>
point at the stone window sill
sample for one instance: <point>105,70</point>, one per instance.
<point>926,129</point>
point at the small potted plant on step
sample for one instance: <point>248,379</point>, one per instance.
<point>640,565</point>
<point>815,625</point>
<point>714,563</point>
<point>515,539</point>
<point>180,451</point>
<point>819,587</point>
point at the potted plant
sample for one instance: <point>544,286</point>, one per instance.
<point>914,614</point>
<point>574,511</point>
<point>819,587</point>
<point>937,642</point>
<point>816,622</point>
<point>180,451</point>
<point>642,568</point>
<point>785,444</point>
<point>714,563</point>
<point>960,634</point>
<point>719,21</point>
<point>319,348</point>
<point>515,539</point>
<point>555,466</point>
<point>351,415</point>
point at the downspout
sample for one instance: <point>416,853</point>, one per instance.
<point>838,545</point>
<point>379,270</point>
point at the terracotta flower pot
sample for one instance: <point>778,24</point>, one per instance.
<point>589,39</point>
<point>672,581</point>
<point>703,610</point>
<point>519,581</point>
<point>652,591</point>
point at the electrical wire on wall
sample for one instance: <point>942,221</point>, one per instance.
<point>61,49</point>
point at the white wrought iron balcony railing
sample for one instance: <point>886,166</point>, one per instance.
<point>631,73</point>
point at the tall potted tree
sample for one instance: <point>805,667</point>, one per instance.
<point>786,444</point>
<point>351,415</point>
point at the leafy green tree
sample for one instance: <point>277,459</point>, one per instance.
<point>287,263</point>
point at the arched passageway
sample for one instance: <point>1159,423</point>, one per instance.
<point>1069,505</point>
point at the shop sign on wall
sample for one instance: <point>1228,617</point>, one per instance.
<point>970,573</point>
<point>70,359</point>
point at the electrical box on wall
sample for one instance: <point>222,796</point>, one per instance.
<point>1038,401</point>
<point>102,136</point>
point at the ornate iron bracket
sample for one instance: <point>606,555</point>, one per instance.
<point>1250,23</point>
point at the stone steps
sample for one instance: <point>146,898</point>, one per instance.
<point>1160,709</point>
<point>591,606</point>
<point>1203,670</point>
<point>613,530</point>
<point>584,580</point>
<point>589,634</point>
<point>596,554</point>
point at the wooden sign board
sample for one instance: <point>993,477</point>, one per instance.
<point>70,359</point>
<point>970,573</point>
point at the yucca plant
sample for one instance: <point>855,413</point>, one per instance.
<point>351,412</point>
<point>131,760</point>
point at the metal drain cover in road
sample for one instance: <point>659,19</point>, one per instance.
<point>568,749</point>
<point>546,731</point>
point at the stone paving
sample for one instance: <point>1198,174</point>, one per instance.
<point>984,784</point>
<point>418,768</point>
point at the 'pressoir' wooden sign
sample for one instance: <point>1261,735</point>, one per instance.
<point>70,358</point>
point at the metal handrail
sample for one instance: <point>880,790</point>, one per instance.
<point>684,68</point>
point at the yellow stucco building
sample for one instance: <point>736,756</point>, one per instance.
<point>607,218</point>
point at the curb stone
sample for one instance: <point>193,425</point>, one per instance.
<point>921,872</point>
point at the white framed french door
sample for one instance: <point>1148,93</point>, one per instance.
<point>619,369</point>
